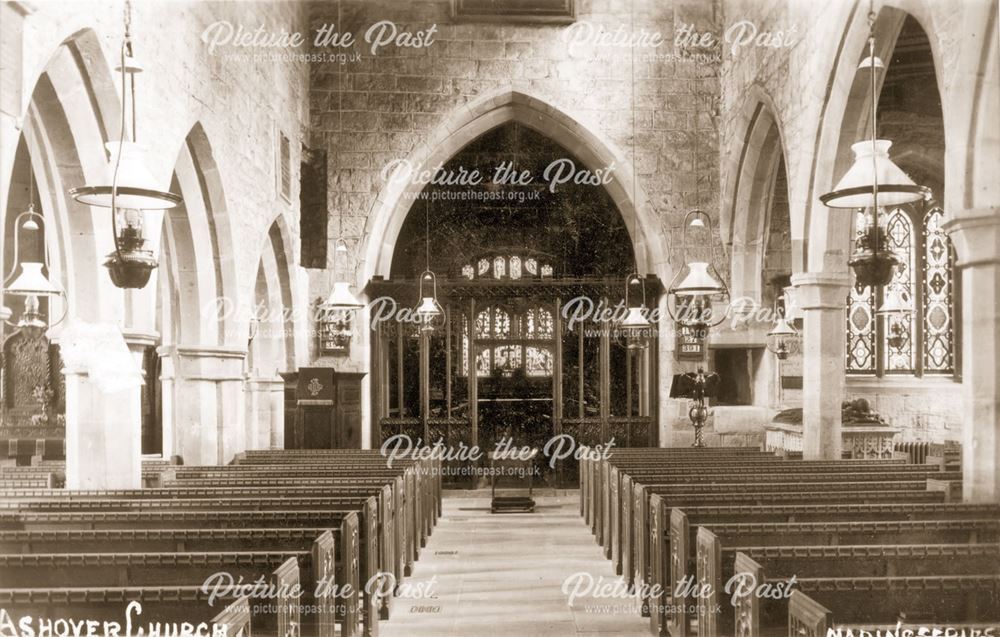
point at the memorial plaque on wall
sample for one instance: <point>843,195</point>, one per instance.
<point>691,343</point>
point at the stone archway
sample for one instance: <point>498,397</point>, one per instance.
<point>203,330</point>
<point>472,120</point>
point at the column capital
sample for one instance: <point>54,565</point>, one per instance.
<point>976,235</point>
<point>137,340</point>
<point>821,290</point>
<point>206,362</point>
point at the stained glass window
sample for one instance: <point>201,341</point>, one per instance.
<point>923,341</point>
<point>939,260</point>
<point>499,267</point>
<point>484,266</point>
<point>468,271</point>
<point>531,265</point>
<point>515,267</point>
<point>860,330</point>
<point>898,333</point>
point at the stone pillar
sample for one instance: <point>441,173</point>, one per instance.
<point>104,430</point>
<point>208,424</point>
<point>265,413</point>
<point>976,235</point>
<point>823,299</point>
<point>167,400</point>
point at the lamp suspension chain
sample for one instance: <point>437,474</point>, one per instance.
<point>874,115</point>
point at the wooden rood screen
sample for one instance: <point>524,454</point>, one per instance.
<point>871,544</point>
<point>344,520</point>
<point>510,359</point>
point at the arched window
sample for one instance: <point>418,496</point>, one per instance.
<point>924,341</point>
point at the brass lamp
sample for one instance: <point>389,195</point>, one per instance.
<point>429,311</point>
<point>32,282</point>
<point>691,298</point>
<point>338,308</point>
<point>873,181</point>
<point>635,325</point>
<point>896,308</point>
<point>129,189</point>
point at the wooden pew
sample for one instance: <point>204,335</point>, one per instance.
<point>824,529</point>
<point>328,553</point>
<point>26,577</point>
<point>769,565</point>
<point>809,618</point>
<point>629,535</point>
<point>633,530</point>
<point>160,606</point>
<point>96,513</point>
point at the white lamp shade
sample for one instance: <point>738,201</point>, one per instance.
<point>634,320</point>
<point>31,281</point>
<point>854,190</point>
<point>136,186</point>
<point>699,281</point>
<point>895,303</point>
<point>782,329</point>
<point>341,298</point>
<point>428,308</point>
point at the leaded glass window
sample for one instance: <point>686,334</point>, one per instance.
<point>924,341</point>
<point>897,338</point>
<point>939,262</point>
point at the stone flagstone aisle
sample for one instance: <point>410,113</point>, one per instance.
<point>503,575</point>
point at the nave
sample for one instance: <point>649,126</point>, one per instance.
<point>503,575</point>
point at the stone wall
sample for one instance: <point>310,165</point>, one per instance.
<point>371,111</point>
<point>928,409</point>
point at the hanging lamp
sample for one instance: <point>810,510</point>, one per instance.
<point>428,311</point>
<point>871,182</point>
<point>129,189</point>
<point>32,282</point>
<point>782,339</point>
<point>697,289</point>
<point>634,325</point>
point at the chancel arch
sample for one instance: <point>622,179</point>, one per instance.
<point>469,122</point>
<point>513,267</point>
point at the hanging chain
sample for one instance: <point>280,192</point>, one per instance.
<point>874,116</point>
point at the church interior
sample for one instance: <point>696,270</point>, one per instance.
<point>464,317</point>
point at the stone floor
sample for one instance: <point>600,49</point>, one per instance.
<point>504,574</point>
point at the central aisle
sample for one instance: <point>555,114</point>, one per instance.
<point>503,575</point>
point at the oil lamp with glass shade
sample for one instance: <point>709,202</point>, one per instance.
<point>697,297</point>
<point>31,283</point>
<point>635,326</point>
<point>129,189</point>
<point>782,338</point>
<point>896,307</point>
<point>429,312</point>
<point>871,182</point>
<point>338,308</point>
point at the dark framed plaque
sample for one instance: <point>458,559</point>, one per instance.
<point>540,11</point>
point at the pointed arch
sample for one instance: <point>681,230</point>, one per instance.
<point>753,175</point>
<point>468,122</point>
<point>198,250</point>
